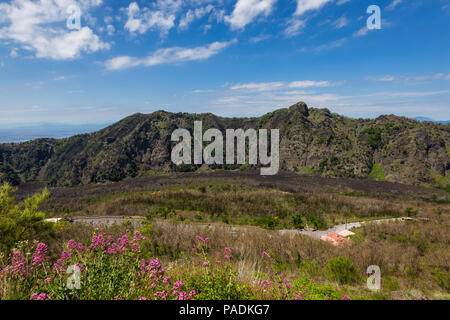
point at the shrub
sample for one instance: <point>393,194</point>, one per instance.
<point>21,221</point>
<point>316,222</point>
<point>411,212</point>
<point>442,279</point>
<point>268,222</point>
<point>342,270</point>
<point>310,268</point>
<point>377,172</point>
<point>297,221</point>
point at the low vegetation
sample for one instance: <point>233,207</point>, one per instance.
<point>174,254</point>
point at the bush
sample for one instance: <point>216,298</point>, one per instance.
<point>268,222</point>
<point>21,221</point>
<point>377,172</point>
<point>310,268</point>
<point>316,222</point>
<point>342,270</point>
<point>297,221</point>
<point>442,279</point>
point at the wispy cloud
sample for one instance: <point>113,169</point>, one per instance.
<point>193,14</point>
<point>308,5</point>
<point>408,94</point>
<point>281,85</point>
<point>408,78</point>
<point>259,97</point>
<point>294,27</point>
<point>326,46</point>
<point>361,32</point>
<point>260,86</point>
<point>245,11</point>
<point>393,4</point>
<point>168,55</point>
<point>341,22</point>
<point>259,38</point>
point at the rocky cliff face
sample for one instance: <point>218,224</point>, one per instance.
<point>316,141</point>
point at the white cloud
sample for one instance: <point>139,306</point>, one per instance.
<point>361,32</point>
<point>310,84</point>
<point>14,53</point>
<point>294,27</point>
<point>168,55</point>
<point>394,4</point>
<point>142,20</point>
<point>32,24</point>
<point>245,11</point>
<point>259,38</point>
<point>327,46</point>
<point>60,78</point>
<point>307,5</point>
<point>193,14</point>
<point>386,79</point>
<point>408,94</point>
<point>110,29</point>
<point>403,78</point>
<point>260,86</point>
<point>281,85</point>
<point>341,22</point>
<point>108,19</point>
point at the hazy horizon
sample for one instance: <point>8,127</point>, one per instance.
<point>22,132</point>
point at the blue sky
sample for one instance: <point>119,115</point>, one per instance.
<point>228,57</point>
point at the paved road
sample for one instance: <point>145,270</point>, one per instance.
<point>136,222</point>
<point>337,228</point>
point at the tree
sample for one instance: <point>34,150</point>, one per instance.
<point>19,221</point>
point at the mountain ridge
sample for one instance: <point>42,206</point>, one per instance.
<point>390,148</point>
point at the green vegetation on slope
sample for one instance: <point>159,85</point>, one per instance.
<point>312,140</point>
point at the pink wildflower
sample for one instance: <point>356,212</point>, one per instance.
<point>177,285</point>
<point>264,282</point>
<point>137,236</point>
<point>40,254</point>
<point>182,295</point>
<point>18,264</point>
<point>299,296</point>
<point>41,296</point>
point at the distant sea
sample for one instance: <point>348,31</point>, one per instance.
<point>423,119</point>
<point>22,133</point>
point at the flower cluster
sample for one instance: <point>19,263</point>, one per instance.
<point>18,265</point>
<point>40,255</point>
<point>41,296</point>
